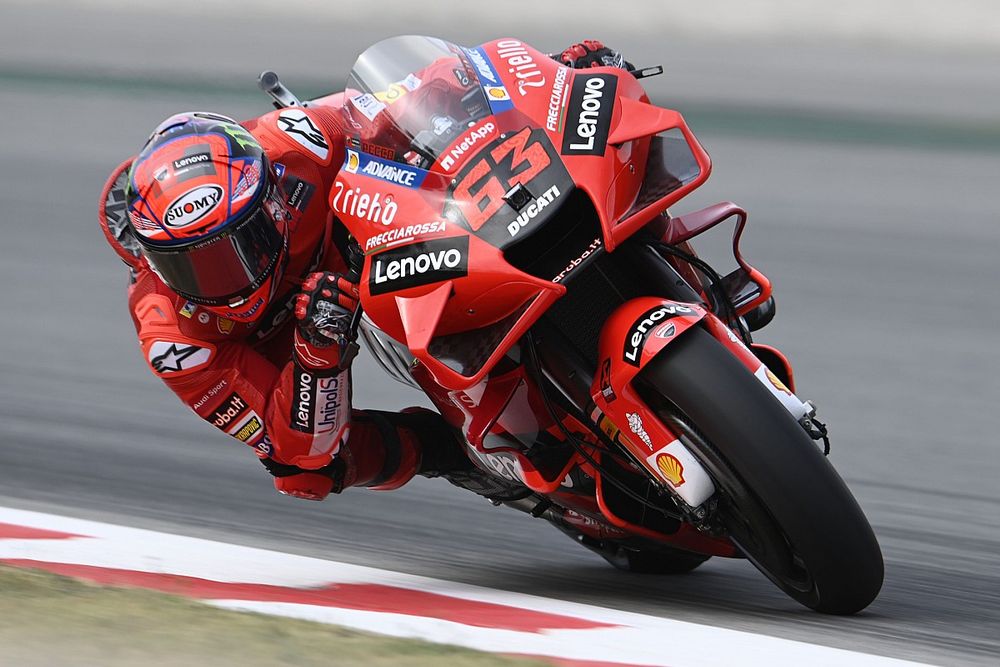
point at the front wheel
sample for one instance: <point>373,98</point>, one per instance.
<point>779,499</point>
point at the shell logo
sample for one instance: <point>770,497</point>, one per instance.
<point>353,161</point>
<point>670,468</point>
<point>498,93</point>
<point>778,384</point>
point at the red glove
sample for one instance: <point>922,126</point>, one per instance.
<point>592,53</point>
<point>325,309</point>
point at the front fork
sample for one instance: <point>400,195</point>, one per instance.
<point>637,332</point>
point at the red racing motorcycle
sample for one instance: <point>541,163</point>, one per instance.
<point>519,265</point>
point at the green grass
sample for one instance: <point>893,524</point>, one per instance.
<point>51,620</point>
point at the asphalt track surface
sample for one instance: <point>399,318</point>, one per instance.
<point>872,205</point>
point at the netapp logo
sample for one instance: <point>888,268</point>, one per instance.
<point>589,117</point>
<point>192,206</point>
<point>190,160</point>
<point>642,326</point>
<point>419,264</point>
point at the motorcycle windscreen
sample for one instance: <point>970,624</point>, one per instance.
<point>421,93</point>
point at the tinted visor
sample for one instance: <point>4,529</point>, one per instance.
<point>226,267</point>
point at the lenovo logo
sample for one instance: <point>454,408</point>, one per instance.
<point>589,116</point>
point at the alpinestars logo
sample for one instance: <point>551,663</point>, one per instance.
<point>636,337</point>
<point>300,127</point>
<point>419,264</point>
<point>169,357</point>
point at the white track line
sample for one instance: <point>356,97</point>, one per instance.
<point>624,638</point>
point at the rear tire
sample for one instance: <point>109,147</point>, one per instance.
<point>780,500</point>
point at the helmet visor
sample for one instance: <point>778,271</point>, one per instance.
<point>225,268</point>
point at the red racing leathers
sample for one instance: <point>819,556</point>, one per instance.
<point>248,380</point>
<point>256,381</point>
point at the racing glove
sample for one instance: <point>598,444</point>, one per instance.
<point>592,53</point>
<point>324,311</point>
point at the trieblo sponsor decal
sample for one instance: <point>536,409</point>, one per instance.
<point>521,65</point>
<point>553,119</point>
<point>359,204</point>
<point>589,117</point>
<point>192,206</point>
<point>532,210</point>
<point>419,264</point>
<point>404,233</point>
<point>475,136</point>
<point>637,333</point>
<point>391,172</point>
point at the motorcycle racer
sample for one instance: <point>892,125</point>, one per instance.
<point>242,297</point>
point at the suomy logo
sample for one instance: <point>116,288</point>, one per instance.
<point>419,264</point>
<point>192,206</point>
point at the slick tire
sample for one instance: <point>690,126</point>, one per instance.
<point>780,500</point>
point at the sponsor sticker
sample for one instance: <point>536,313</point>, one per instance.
<point>532,210</point>
<point>594,246</point>
<point>204,317</point>
<point>420,263</point>
<point>369,105</point>
<point>635,425</point>
<point>209,394</point>
<point>301,128</point>
<point>188,309</point>
<point>225,326</point>
<point>247,429</point>
<point>670,467</point>
<point>192,206</point>
<point>477,135</point>
<point>171,357</point>
<point>557,102</point>
<point>521,65</point>
<point>496,94</point>
<point>401,234</point>
<point>588,118</point>
<point>606,391</point>
<point>636,337</point>
<point>378,208</point>
<point>303,401</point>
<point>356,162</point>
<point>224,416</point>
<point>299,193</point>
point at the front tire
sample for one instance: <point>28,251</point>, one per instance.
<point>780,500</point>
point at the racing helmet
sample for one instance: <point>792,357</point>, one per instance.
<point>208,213</point>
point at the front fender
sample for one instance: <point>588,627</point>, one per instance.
<point>634,334</point>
